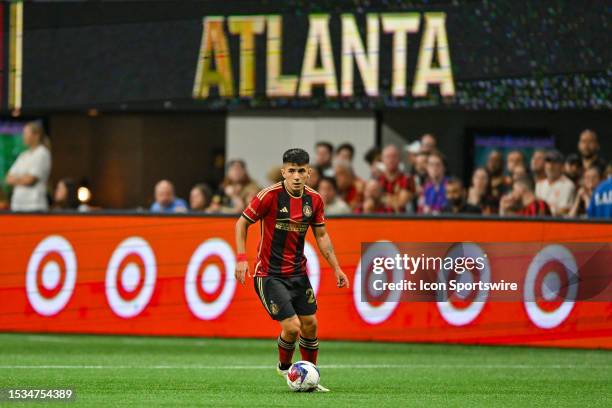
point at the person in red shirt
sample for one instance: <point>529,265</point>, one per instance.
<point>350,187</point>
<point>286,210</point>
<point>398,188</point>
<point>522,200</point>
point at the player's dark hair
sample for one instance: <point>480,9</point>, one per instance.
<point>331,181</point>
<point>297,156</point>
<point>327,145</point>
<point>346,146</point>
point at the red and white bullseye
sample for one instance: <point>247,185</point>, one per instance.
<point>130,277</point>
<point>461,308</point>
<point>51,275</point>
<point>551,286</point>
<point>210,282</point>
<point>375,312</point>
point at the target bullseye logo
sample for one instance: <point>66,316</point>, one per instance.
<point>551,286</point>
<point>210,282</point>
<point>130,277</point>
<point>375,312</point>
<point>313,268</point>
<point>51,275</point>
<point>462,308</point>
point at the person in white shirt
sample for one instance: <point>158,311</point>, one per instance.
<point>556,189</point>
<point>30,172</point>
<point>334,205</point>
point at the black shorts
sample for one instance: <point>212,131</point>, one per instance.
<point>284,297</point>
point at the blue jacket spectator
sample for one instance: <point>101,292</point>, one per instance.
<point>601,202</point>
<point>165,201</point>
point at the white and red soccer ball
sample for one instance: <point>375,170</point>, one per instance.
<point>303,376</point>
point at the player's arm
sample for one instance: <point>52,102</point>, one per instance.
<point>242,265</point>
<point>327,250</point>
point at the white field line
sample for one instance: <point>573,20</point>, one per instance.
<point>324,366</point>
<point>154,342</point>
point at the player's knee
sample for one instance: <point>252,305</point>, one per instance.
<point>292,326</point>
<point>309,324</point>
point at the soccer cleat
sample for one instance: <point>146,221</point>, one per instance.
<point>321,388</point>
<point>282,373</point>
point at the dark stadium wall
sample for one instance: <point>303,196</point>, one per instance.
<point>123,156</point>
<point>450,127</point>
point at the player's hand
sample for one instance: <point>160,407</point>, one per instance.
<point>242,270</point>
<point>341,279</point>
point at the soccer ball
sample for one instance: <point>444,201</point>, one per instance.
<point>303,376</point>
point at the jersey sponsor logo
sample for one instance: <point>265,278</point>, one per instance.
<point>307,210</point>
<point>284,210</point>
<point>291,227</point>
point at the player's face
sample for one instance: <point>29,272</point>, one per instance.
<point>295,176</point>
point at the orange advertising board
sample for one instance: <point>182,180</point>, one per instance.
<point>155,275</point>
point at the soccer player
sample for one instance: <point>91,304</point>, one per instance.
<point>286,210</point>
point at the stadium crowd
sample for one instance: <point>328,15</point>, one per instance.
<point>420,183</point>
<point>415,180</point>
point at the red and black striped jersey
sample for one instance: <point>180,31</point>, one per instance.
<point>285,219</point>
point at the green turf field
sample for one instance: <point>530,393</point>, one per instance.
<point>113,371</point>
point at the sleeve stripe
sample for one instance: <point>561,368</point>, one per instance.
<point>248,218</point>
<point>263,192</point>
<point>320,224</point>
<point>312,191</point>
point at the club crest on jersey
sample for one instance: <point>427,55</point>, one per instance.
<point>307,210</point>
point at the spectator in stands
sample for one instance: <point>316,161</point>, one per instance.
<point>350,188</point>
<point>434,193</point>
<point>601,202</point>
<point>518,172</point>
<point>412,150</point>
<point>323,157</point>
<point>334,205</point>
<point>314,178</point>
<point>479,194</point>
<point>165,200</point>
<point>590,179</point>
<point>420,171</point>
<point>514,159</point>
<point>538,159</point>
<point>373,200</point>
<point>557,190</point>
<point>200,198</point>
<point>429,144</point>
<point>30,173</point>
<point>65,196</point>
<point>608,172</point>
<point>345,152</point>
<point>398,188</point>
<point>495,168</point>
<point>522,201</point>
<point>237,187</point>
<point>274,175</point>
<point>455,197</point>
<point>374,159</point>
<point>573,168</point>
<point>588,147</point>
